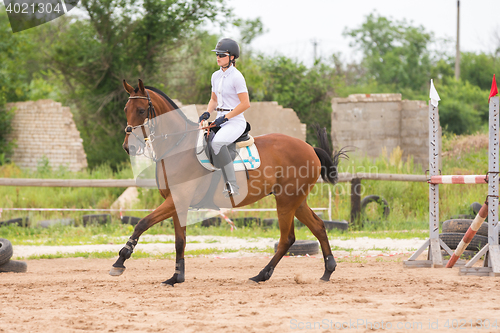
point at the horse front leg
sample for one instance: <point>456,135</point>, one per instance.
<point>180,246</point>
<point>164,211</point>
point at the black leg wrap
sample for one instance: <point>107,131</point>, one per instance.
<point>330,265</point>
<point>264,274</point>
<point>126,252</point>
<point>178,276</point>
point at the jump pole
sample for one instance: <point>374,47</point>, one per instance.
<point>433,243</point>
<point>491,251</point>
<point>469,235</point>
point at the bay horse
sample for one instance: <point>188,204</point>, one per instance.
<point>278,153</point>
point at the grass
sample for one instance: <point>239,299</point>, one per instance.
<point>66,235</point>
<point>138,254</point>
<point>352,260</point>
<point>54,197</point>
<point>117,233</point>
<point>408,201</point>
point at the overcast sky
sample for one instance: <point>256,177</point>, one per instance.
<point>293,25</point>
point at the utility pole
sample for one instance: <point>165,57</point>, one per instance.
<point>315,45</point>
<point>457,57</point>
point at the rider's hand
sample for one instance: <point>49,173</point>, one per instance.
<point>204,116</point>
<point>221,120</point>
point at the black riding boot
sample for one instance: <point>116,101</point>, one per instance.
<point>224,162</point>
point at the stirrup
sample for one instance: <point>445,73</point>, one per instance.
<point>230,190</point>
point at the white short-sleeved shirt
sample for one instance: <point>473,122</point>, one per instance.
<point>227,85</point>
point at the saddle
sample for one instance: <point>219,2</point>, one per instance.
<point>244,154</point>
<point>244,140</point>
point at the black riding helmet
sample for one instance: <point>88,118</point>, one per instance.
<point>227,45</point>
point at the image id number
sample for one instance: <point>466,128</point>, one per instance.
<point>467,324</point>
<point>25,8</point>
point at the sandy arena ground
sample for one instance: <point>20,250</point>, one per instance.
<point>365,294</point>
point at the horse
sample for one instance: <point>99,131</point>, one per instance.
<point>278,153</point>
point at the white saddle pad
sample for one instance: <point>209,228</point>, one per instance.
<point>245,157</point>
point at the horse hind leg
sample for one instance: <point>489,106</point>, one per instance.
<point>287,238</point>
<point>317,227</point>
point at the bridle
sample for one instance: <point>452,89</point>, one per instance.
<point>152,122</point>
<point>150,116</point>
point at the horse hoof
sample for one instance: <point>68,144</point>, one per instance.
<point>116,271</point>
<point>323,281</point>
<point>168,285</point>
<point>252,282</point>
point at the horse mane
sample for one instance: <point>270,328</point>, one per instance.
<point>171,102</point>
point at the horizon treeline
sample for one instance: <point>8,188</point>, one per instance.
<point>81,62</point>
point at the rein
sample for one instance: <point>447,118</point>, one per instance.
<point>151,122</point>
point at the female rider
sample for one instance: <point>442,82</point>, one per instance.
<point>230,99</point>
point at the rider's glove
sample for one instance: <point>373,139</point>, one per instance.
<point>221,120</point>
<point>204,116</point>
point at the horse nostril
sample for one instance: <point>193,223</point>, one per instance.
<point>132,150</point>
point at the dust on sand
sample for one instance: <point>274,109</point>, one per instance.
<point>364,294</point>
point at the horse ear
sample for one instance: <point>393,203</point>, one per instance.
<point>141,87</point>
<point>128,87</point>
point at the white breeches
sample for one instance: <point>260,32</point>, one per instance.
<point>228,133</point>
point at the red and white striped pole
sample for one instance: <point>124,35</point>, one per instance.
<point>228,220</point>
<point>469,235</point>
<point>470,179</point>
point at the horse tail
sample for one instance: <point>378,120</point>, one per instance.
<point>329,160</point>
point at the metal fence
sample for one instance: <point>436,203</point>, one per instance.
<point>355,180</point>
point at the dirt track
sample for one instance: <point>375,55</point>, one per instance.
<point>78,295</point>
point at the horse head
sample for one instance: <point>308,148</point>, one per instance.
<point>142,110</point>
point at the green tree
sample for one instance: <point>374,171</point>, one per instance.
<point>463,106</point>
<point>120,39</point>
<point>10,82</point>
<point>478,69</point>
<point>308,91</point>
<point>249,30</point>
<point>13,52</point>
<point>394,52</point>
<point>6,116</point>
<point>185,74</point>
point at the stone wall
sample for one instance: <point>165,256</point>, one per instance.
<point>265,118</point>
<point>372,122</point>
<point>45,128</point>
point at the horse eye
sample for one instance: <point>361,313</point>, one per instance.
<point>142,111</point>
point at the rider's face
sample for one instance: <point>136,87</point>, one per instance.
<point>223,61</point>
